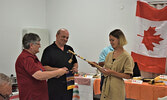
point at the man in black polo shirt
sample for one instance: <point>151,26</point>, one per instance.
<point>57,56</point>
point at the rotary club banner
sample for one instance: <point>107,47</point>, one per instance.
<point>150,50</point>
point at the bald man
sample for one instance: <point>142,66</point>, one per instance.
<point>57,56</point>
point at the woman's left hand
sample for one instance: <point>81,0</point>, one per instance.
<point>106,71</point>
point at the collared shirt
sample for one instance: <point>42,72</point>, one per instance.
<point>104,53</point>
<point>29,87</point>
<point>55,57</point>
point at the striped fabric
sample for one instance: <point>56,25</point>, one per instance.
<point>70,80</point>
<point>76,92</point>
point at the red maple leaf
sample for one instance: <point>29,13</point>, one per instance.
<point>149,38</point>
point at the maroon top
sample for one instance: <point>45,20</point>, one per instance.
<point>29,87</point>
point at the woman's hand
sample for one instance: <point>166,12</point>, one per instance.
<point>107,71</point>
<point>93,64</point>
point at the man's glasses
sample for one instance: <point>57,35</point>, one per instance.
<point>6,97</point>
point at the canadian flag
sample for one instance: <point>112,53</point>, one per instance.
<point>150,50</point>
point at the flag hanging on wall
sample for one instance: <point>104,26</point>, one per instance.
<point>150,50</point>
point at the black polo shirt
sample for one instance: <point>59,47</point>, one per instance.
<point>55,57</point>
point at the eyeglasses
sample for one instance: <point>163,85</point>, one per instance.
<point>37,43</point>
<point>6,97</point>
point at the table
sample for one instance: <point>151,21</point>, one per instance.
<point>85,87</point>
<point>142,91</point>
<point>145,91</point>
<point>96,86</point>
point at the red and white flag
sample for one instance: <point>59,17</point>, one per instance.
<point>150,50</point>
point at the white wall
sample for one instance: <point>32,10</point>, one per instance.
<point>14,16</point>
<point>89,23</point>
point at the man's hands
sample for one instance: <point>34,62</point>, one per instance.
<point>62,71</point>
<point>75,68</point>
<point>65,70</point>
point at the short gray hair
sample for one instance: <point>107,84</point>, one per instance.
<point>30,38</point>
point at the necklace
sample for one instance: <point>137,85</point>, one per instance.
<point>117,53</point>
